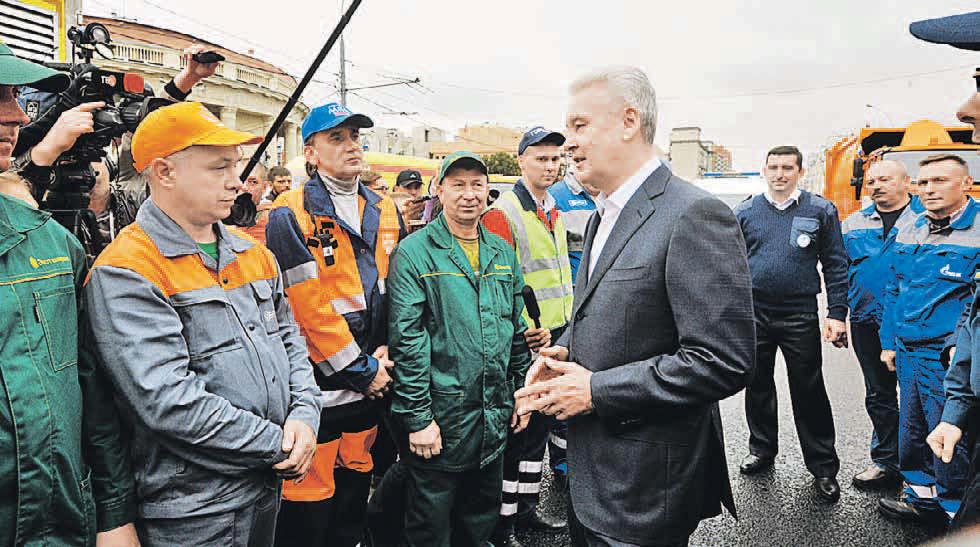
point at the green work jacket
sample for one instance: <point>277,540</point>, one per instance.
<point>64,475</point>
<point>457,340</point>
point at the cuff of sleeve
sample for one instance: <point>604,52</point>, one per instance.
<point>308,415</point>
<point>112,514</point>
<point>417,422</point>
<point>175,92</point>
<point>362,381</point>
<point>956,413</point>
<point>838,312</point>
<point>599,384</point>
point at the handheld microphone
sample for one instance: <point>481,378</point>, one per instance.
<point>531,305</point>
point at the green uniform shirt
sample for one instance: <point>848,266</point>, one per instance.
<point>64,474</point>
<point>458,343</point>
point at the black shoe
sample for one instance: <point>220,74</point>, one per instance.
<point>906,512</point>
<point>537,521</point>
<point>753,464</point>
<point>827,488</point>
<point>876,478</point>
<point>509,542</point>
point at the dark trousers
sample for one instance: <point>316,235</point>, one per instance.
<point>337,522</point>
<point>523,469</point>
<point>251,526</point>
<point>584,537</point>
<point>969,512</point>
<point>797,336</point>
<point>386,510</point>
<point>452,509</point>
<point>880,395</point>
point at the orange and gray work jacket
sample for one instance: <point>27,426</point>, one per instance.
<point>335,280</point>
<point>206,360</point>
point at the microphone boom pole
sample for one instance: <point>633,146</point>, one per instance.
<point>334,36</point>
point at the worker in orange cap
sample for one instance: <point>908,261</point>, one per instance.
<point>198,339</point>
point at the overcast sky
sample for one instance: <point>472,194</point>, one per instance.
<point>751,74</point>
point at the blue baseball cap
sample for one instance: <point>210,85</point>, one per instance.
<point>960,31</point>
<point>332,115</point>
<point>538,135</point>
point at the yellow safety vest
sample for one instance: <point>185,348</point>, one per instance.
<point>543,255</point>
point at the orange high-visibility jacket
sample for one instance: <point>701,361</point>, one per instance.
<point>335,281</point>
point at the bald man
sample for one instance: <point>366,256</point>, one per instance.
<point>869,235</point>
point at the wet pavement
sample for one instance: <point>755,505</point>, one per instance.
<point>779,508</point>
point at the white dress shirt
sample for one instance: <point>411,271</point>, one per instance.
<point>783,205</point>
<point>610,206</point>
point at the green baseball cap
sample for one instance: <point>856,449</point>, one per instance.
<point>17,71</point>
<point>462,155</point>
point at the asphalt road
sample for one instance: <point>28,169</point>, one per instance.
<point>779,508</point>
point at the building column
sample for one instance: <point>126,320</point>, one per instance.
<point>291,141</point>
<point>229,117</point>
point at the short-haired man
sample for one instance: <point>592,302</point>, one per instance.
<point>963,379</point>
<point>410,182</point>
<point>280,181</point>
<point>194,330</point>
<point>333,238</point>
<point>257,186</point>
<point>457,336</point>
<point>657,338</point>
<point>375,183</point>
<point>64,476</point>
<point>932,281</point>
<point>869,237</point>
<point>527,218</point>
<point>788,231</point>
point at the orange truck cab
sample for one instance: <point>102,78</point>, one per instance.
<point>848,160</point>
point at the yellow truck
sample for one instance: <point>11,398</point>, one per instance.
<point>848,160</point>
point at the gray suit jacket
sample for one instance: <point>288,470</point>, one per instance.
<point>665,323</point>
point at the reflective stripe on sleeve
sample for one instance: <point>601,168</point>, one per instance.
<point>298,274</point>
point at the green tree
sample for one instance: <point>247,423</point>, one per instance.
<point>502,163</point>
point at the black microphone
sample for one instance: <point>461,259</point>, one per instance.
<point>531,305</point>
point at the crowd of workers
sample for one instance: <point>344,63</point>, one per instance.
<point>348,370</point>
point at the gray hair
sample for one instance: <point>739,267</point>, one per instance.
<point>632,85</point>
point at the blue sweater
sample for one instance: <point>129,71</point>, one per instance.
<point>784,248</point>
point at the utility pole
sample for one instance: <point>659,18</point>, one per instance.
<point>343,66</point>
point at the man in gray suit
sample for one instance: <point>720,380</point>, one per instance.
<point>662,329</point>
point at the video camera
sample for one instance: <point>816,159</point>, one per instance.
<point>128,100</point>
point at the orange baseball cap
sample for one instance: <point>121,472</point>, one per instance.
<point>175,127</point>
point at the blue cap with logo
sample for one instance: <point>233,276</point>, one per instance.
<point>332,115</point>
<point>960,31</point>
<point>538,135</point>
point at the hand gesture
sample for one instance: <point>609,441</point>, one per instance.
<point>71,125</point>
<point>381,383</point>
<point>888,358</point>
<point>537,339</point>
<point>943,440</point>
<point>299,441</point>
<point>426,443</point>
<point>835,332</point>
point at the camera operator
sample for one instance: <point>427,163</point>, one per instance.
<point>114,204</point>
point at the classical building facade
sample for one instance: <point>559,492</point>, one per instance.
<point>246,93</point>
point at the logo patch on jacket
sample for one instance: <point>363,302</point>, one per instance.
<point>38,262</point>
<point>946,271</point>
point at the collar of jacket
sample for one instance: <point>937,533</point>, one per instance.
<point>440,234</point>
<point>575,186</point>
<point>172,241</point>
<point>530,205</point>
<point>964,221</point>
<point>871,211</point>
<point>317,202</point>
<point>17,219</point>
<point>320,202</point>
